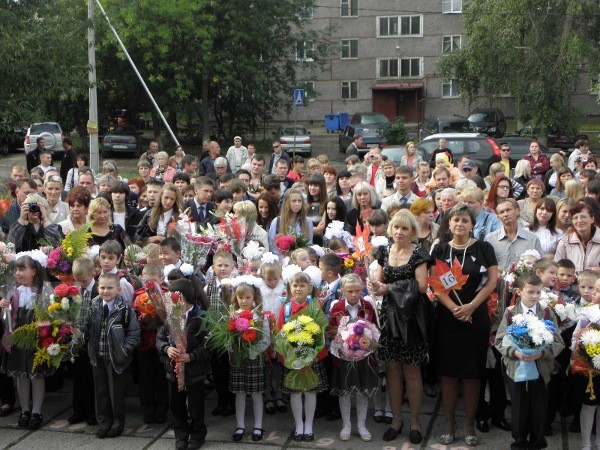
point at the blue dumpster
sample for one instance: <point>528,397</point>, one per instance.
<point>332,122</point>
<point>344,120</point>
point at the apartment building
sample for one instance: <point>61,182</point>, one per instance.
<point>386,58</point>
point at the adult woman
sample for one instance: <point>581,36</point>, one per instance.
<point>422,209</point>
<point>522,175</point>
<point>79,199</point>
<point>344,189</point>
<point>175,161</point>
<point>101,225</point>
<point>419,186</point>
<point>544,226</point>
<point>73,173</point>
<point>563,175</point>
<point>386,185</point>
<point>582,244</point>
<point>110,168</point>
<point>295,173</point>
<point>574,189</point>
<point>153,227</point>
<point>143,198</point>
<point>330,174</point>
<point>335,210</point>
<point>501,188</point>
<point>123,214</point>
<point>496,169</point>
<point>402,350</point>
<point>410,158</point>
<point>557,162</point>
<point>247,210</point>
<point>33,226</point>
<point>163,171</point>
<point>292,220</point>
<point>364,200</point>
<point>317,202</point>
<point>59,210</point>
<point>535,190</point>
<point>267,210</point>
<point>462,323</point>
<point>563,214</point>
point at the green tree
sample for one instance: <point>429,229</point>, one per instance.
<point>396,133</point>
<point>534,50</point>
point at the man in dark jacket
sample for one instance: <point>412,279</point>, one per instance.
<point>33,157</point>
<point>277,154</point>
<point>69,159</point>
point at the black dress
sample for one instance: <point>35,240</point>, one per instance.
<point>394,348</point>
<point>461,347</point>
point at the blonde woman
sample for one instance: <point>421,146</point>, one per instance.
<point>574,189</point>
<point>496,169</point>
<point>557,162</point>
<point>386,185</point>
<point>101,226</point>
<point>410,157</point>
<point>364,200</point>
<point>247,210</point>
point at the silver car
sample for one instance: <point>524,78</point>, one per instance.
<point>50,131</point>
<point>286,137</point>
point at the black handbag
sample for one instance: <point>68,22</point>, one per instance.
<point>402,300</point>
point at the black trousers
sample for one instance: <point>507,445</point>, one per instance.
<point>529,404</point>
<point>188,403</point>
<point>154,390</point>
<point>110,395</point>
<point>7,390</point>
<point>325,400</point>
<point>498,403</point>
<point>83,386</point>
<point>220,371</point>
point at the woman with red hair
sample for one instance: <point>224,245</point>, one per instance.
<point>500,188</point>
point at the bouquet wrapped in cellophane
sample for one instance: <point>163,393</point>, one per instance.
<point>586,355</point>
<point>299,342</point>
<point>354,340</point>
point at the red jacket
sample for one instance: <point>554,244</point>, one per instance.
<point>338,310</point>
<point>539,167</point>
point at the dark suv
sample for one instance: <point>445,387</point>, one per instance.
<point>490,121</point>
<point>563,139</point>
<point>433,125</point>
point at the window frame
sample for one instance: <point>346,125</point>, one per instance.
<point>451,6</point>
<point>399,33</point>
<point>451,37</point>
<point>352,12</point>
<point>347,84</point>
<point>307,46</point>
<point>411,59</point>
<point>389,74</point>
<point>453,83</point>
<point>349,41</point>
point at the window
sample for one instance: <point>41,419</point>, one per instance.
<point>450,89</point>
<point>349,89</point>
<point>388,68</point>
<point>410,67</point>
<point>349,8</point>
<point>305,51</point>
<point>451,6</point>
<point>450,43</point>
<point>349,48</point>
<point>400,26</point>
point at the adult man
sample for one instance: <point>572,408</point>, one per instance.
<point>540,164</point>
<point>151,153</point>
<point>281,170</point>
<point>468,168</point>
<point>403,195</point>
<point>220,165</point>
<point>441,176</point>
<point>582,150</point>
<point>69,159</point>
<point>512,240</point>
<point>353,148</point>
<point>152,191</point>
<point>257,165</point>
<point>237,154</point>
<point>449,201</point>
<point>18,173</point>
<point>441,149</point>
<point>46,162</point>
<point>86,179</point>
<point>23,188</point>
<point>33,157</point>
<point>277,154</point>
<point>207,165</point>
<point>374,170</point>
<point>201,206</point>
<point>505,159</point>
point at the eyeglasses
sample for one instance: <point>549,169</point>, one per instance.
<point>276,146</point>
<point>505,149</point>
<point>503,186</point>
<point>466,169</point>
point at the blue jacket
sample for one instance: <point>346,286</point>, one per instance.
<point>485,223</point>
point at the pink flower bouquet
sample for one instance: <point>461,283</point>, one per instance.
<point>355,340</point>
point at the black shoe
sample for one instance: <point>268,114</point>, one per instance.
<point>149,418</point>
<point>217,411</point>
<point>227,411</point>
<point>76,418</point>
<point>321,412</point>
<point>333,416</point>
<point>115,432</point>
<point>181,444</point>
<point>92,422</point>
<point>36,421</point>
<point>270,408</point>
<point>548,430</point>
<point>280,405</point>
<point>101,433</point>
<point>238,434</point>
<point>308,437</point>
<point>257,434</point>
<point>482,426</point>
<point>392,433</point>
<point>195,445</point>
<point>298,437</point>
<point>502,424</point>
<point>24,419</point>
<point>431,390</point>
<point>415,437</point>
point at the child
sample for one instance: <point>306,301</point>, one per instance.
<point>314,253</point>
<point>224,202</point>
<point>81,370</point>
<point>589,407</point>
<point>110,256</point>
<point>32,290</point>
<point>330,265</point>
<point>299,291</point>
<point>249,378</point>
<point>301,258</point>
<point>292,219</point>
<point>547,270</point>
<point>272,289</point>
<point>222,267</point>
<point>152,252</point>
<point>566,280</point>
<point>187,405</point>
<point>113,334</point>
<point>358,377</point>
<point>587,286</point>
<point>528,399</point>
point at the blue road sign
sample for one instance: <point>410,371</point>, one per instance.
<point>298,98</point>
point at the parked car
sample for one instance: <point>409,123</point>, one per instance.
<point>52,134</point>
<point>122,139</point>
<point>395,153</point>
<point>519,146</point>
<point>11,138</point>
<point>370,126</point>
<point>433,125</point>
<point>563,139</point>
<point>480,148</point>
<point>301,137</point>
<point>490,121</point>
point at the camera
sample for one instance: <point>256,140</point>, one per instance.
<point>34,207</point>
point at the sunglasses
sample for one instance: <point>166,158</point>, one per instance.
<point>276,146</point>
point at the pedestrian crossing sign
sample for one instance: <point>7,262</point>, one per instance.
<point>298,98</point>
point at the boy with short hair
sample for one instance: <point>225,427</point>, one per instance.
<point>547,270</point>
<point>152,252</point>
<point>188,403</point>
<point>587,285</point>
<point>110,256</point>
<point>113,334</point>
<point>567,280</point>
<point>529,399</point>
<point>330,265</point>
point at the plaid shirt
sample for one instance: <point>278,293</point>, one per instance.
<point>103,342</point>
<point>213,292</point>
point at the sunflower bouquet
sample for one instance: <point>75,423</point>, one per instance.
<point>299,342</point>
<point>586,355</point>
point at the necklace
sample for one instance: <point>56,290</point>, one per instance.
<point>462,264</point>
<point>460,246</point>
<point>397,256</point>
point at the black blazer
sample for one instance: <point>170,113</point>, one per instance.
<point>284,155</point>
<point>193,212</point>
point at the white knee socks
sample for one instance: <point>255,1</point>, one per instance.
<point>345,405</point>
<point>240,409</point>
<point>362,404</point>
<point>296,404</point>
<point>310,404</point>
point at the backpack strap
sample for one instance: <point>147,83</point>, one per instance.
<point>287,311</point>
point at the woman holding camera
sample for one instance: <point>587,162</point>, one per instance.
<point>33,226</point>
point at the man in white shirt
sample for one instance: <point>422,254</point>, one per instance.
<point>403,195</point>
<point>582,150</point>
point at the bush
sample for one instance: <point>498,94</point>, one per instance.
<point>396,132</point>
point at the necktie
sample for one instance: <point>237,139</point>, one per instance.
<point>106,311</point>
<point>529,311</point>
<point>403,200</point>
<point>201,212</point>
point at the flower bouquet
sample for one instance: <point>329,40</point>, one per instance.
<point>65,304</point>
<point>60,260</point>
<point>586,355</point>
<point>509,279</point>
<point>233,230</point>
<point>565,312</point>
<point>144,305</point>
<point>135,258</point>
<point>7,277</point>
<point>285,243</point>
<point>299,342</point>
<point>530,336</point>
<point>196,242</point>
<point>354,341</point>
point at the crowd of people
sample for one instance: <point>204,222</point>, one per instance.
<point>417,214</point>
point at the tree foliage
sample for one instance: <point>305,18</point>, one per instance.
<point>396,133</point>
<point>535,50</point>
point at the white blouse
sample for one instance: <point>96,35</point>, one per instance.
<point>161,228</point>
<point>26,297</point>
<point>548,240</point>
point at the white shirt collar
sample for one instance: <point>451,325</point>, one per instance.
<point>353,310</point>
